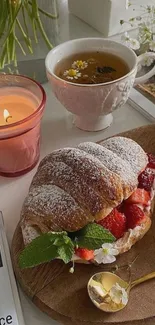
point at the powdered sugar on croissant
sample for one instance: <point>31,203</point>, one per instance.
<point>128,150</point>
<point>115,164</point>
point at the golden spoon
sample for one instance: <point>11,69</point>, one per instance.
<point>109,292</point>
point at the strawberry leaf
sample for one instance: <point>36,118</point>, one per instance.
<point>93,236</point>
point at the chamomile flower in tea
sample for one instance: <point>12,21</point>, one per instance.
<point>91,68</point>
<point>72,74</point>
<point>79,64</point>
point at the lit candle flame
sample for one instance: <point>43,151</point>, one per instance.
<point>6,115</point>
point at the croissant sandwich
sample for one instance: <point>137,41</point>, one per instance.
<point>89,203</point>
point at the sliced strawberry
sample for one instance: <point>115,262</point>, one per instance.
<point>115,222</point>
<point>120,207</point>
<point>139,196</point>
<point>134,215</point>
<point>146,179</point>
<point>84,253</point>
<point>151,159</point>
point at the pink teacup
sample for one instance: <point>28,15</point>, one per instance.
<point>93,104</point>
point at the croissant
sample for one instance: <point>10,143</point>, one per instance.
<point>77,186</point>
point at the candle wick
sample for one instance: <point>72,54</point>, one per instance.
<point>8,118</point>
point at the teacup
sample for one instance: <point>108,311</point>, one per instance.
<point>93,104</point>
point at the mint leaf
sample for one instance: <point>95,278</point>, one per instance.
<point>46,248</point>
<point>58,238</point>
<point>66,251</point>
<point>39,251</point>
<point>57,235</point>
<point>93,236</point>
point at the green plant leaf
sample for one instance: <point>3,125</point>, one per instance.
<point>9,11</point>
<point>39,251</point>
<point>93,236</point>
<point>46,248</point>
<point>66,251</point>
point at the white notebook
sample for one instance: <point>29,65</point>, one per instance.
<point>10,308</point>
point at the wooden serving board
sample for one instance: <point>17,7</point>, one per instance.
<point>63,295</point>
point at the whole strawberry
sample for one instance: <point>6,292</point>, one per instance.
<point>134,216</point>
<point>115,222</point>
<point>146,179</point>
<point>151,159</point>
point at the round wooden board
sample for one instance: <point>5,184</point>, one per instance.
<point>63,295</point>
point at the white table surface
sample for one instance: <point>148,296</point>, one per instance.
<point>57,131</point>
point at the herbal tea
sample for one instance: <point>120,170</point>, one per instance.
<point>91,68</point>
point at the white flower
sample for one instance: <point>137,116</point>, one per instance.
<point>133,43</point>
<point>72,74</point>
<point>79,64</point>
<point>118,294</point>
<point>145,32</point>
<point>147,61</point>
<point>125,37</point>
<point>152,46</point>
<point>106,254</point>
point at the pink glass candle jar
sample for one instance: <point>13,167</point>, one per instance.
<point>22,103</point>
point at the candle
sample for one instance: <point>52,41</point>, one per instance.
<point>22,102</point>
<point>12,99</point>
<point>6,116</point>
